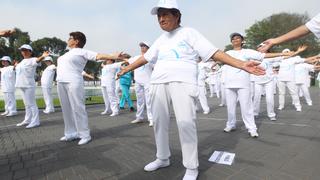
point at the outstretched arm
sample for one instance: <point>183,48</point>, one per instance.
<point>249,66</point>
<point>292,35</point>
<point>139,62</point>
<point>44,54</point>
<point>6,33</point>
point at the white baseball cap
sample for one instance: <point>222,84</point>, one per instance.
<point>26,46</point>
<point>144,43</point>
<point>6,58</point>
<point>167,4</point>
<point>48,58</point>
<point>286,50</point>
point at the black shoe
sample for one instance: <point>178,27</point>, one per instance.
<point>121,107</point>
<point>131,109</point>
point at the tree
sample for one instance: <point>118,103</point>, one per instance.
<point>54,45</point>
<point>279,24</point>
<point>15,41</point>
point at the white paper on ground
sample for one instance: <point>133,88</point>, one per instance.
<point>221,157</point>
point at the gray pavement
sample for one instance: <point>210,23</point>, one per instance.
<point>286,149</point>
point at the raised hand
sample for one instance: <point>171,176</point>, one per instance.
<point>266,45</point>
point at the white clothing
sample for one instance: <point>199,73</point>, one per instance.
<point>32,111</point>
<point>243,94</point>
<point>48,99</point>
<point>25,73</point>
<point>176,54</point>
<point>292,90</point>
<point>182,96</point>
<point>268,87</point>
<point>10,102</point>
<point>237,84</point>
<point>105,99</point>
<point>202,69</point>
<point>314,25</point>
<point>203,99</point>
<point>8,79</point>
<point>72,63</point>
<point>71,91</point>
<point>74,113</point>
<point>108,74</point>
<point>237,78</point>
<point>287,68</point>
<point>142,74</point>
<point>302,73</point>
<point>267,65</point>
<point>47,76</point>
<point>143,100</point>
<point>108,85</point>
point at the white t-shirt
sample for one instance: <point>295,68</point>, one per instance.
<point>237,78</point>
<point>108,74</point>
<point>287,66</point>
<point>8,79</point>
<point>267,65</point>
<point>314,25</point>
<point>47,76</point>
<point>302,73</point>
<point>25,73</point>
<point>142,74</point>
<point>71,64</point>
<point>176,54</point>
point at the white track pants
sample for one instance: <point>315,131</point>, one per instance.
<point>48,100</point>
<point>143,100</point>
<point>203,99</point>
<point>259,88</point>
<point>32,111</point>
<point>105,98</point>
<point>183,97</point>
<point>305,91</point>
<point>71,96</point>
<point>244,97</point>
<point>10,102</point>
<point>223,94</point>
<point>292,90</point>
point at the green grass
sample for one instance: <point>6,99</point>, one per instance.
<point>56,102</point>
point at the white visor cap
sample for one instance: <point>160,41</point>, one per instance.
<point>167,4</point>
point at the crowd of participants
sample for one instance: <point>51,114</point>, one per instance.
<point>177,69</point>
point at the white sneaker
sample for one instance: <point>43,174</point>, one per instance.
<point>221,105</point>
<point>64,138</point>
<point>114,114</point>
<point>298,109</point>
<point>229,129</point>
<point>105,112</point>
<point>84,141</point>
<point>309,104</point>
<point>157,164</point>
<point>191,174</point>
<point>32,126</point>
<point>11,114</point>
<point>254,134</point>
<point>4,113</point>
<point>46,112</point>
<point>150,122</point>
<point>280,108</point>
<point>273,118</point>
<point>206,112</point>
<point>136,121</point>
<point>23,123</point>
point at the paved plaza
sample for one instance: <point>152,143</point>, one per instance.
<point>287,149</point>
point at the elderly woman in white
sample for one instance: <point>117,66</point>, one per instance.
<point>174,80</point>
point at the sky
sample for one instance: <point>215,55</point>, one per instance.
<point>119,25</point>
